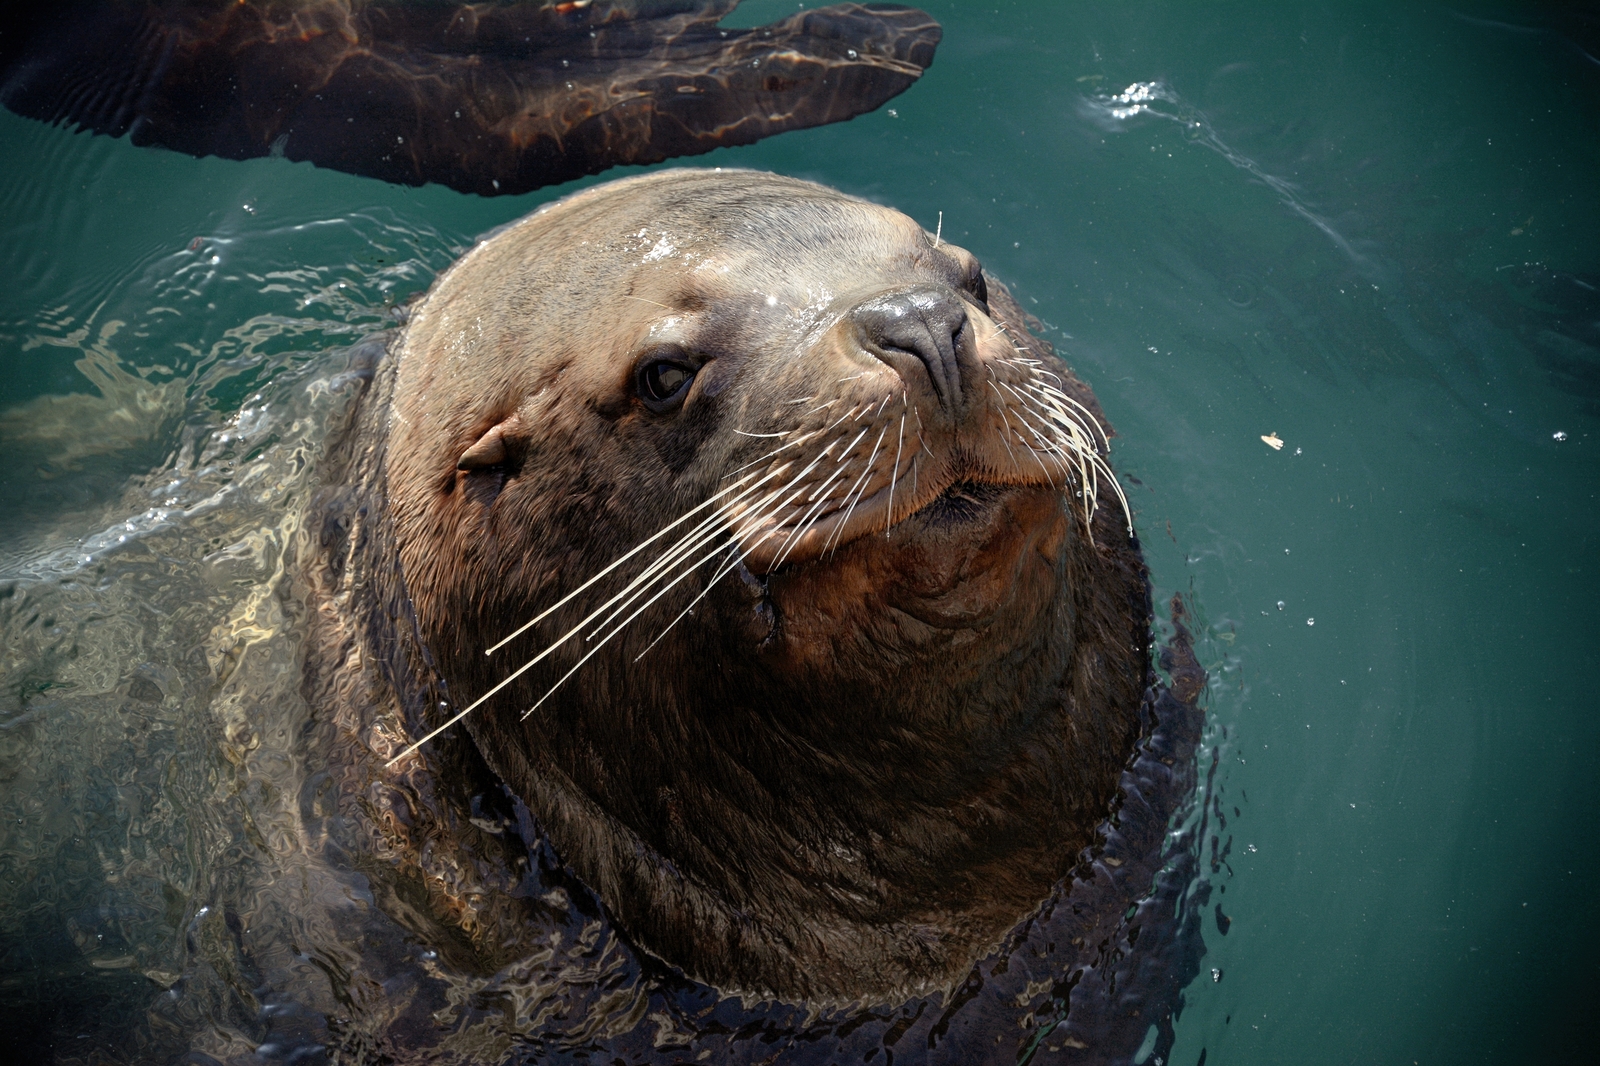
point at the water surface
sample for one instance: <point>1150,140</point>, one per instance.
<point>1369,230</point>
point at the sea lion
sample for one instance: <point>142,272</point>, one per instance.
<point>490,98</point>
<point>820,630</point>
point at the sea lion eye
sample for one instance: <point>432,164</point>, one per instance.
<point>662,383</point>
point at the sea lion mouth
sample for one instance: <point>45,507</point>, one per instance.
<point>954,503</point>
<point>977,554</point>
<point>962,503</point>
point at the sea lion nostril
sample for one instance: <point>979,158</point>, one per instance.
<point>930,324</point>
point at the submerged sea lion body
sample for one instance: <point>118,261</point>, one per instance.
<point>490,97</point>
<point>842,641</point>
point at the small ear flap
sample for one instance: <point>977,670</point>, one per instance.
<point>490,449</point>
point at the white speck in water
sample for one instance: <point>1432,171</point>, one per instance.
<point>1558,435</point>
<point>1280,605</point>
<point>1251,848</point>
<point>1297,451</point>
<point>1216,975</point>
<point>1311,621</point>
<point>893,113</point>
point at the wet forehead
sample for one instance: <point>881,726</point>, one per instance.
<point>796,249</point>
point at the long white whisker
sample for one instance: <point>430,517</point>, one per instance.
<point>1050,449</point>
<point>838,421</point>
<point>741,555</point>
<point>1026,406</point>
<point>1005,438</point>
<point>718,576</point>
<point>781,448</point>
<point>920,441</point>
<point>1031,451</point>
<point>607,638</point>
<point>777,508</point>
<point>811,519</point>
<point>525,667</point>
<point>661,592</point>
<point>709,530</point>
<point>636,549</point>
<point>894,473</point>
<point>1050,392</point>
<point>858,488</point>
<point>807,519</point>
<point>846,453</point>
<point>694,541</point>
<point>1075,434</point>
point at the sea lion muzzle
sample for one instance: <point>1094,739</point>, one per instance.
<point>929,324</point>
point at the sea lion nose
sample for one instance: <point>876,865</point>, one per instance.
<point>929,324</point>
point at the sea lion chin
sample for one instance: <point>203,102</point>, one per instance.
<point>819,631</point>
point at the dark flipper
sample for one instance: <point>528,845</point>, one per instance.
<point>485,98</point>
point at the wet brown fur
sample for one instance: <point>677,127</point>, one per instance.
<point>849,772</point>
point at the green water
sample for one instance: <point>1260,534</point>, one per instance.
<point>1372,230</point>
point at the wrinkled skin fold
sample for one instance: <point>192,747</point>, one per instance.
<point>487,98</point>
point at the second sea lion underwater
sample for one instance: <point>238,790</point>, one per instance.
<point>820,716</point>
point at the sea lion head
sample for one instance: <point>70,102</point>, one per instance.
<point>837,647</point>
